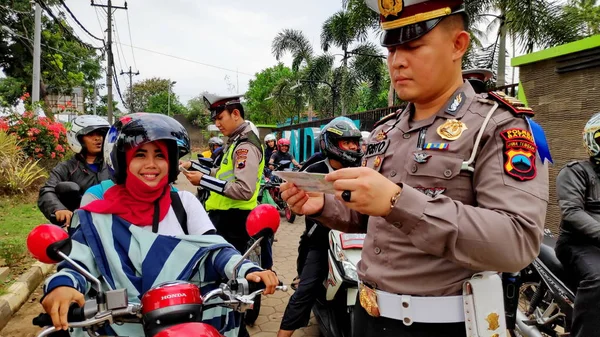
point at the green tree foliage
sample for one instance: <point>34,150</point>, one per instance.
<point>11,90</point>
<point>197,113</point>
<point>66,62</point>
<point>260,103</point>
<point>161,103</point>
<point>142,92</point>
<point>102,107</point>
<point>586,14</point>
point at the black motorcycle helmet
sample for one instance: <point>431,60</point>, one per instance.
<point>341,128</point>
<point>138,128</point>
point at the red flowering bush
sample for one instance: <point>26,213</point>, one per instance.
<point>39,137</point>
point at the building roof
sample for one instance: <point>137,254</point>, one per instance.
<point>565,49</point>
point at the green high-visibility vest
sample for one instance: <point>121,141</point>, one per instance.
<point>217,201</point>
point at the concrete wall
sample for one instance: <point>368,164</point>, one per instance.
<point>564,93</point>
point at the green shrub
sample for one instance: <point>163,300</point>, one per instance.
<point>18,174</point>
<point>39,137</point>
<point>12,250</point>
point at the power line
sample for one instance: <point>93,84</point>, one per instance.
<point>99,24</point>
<point>131,41</point>
<point>188,60</point>
<point>62,26</point>
<point>79,23</point>
<point>10,31</point>
<point>116,80</point>
<point>118,42</point>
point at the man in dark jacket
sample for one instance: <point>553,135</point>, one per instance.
<point>340,147</point>
<point>86,167</point>
<point>578,247</point>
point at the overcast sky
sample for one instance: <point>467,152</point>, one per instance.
<point>234,34</point>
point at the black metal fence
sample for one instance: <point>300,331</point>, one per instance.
<point>369,118</point>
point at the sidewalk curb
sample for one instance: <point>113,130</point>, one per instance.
<point>19,291</point>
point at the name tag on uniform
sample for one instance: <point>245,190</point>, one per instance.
<point>377,148</point>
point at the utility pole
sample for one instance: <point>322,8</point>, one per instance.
<point>37,51</point>
<point>109,74</point>
<point>130,73</point>
<point>94,98</point>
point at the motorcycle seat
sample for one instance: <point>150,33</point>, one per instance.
<point>548,258</point>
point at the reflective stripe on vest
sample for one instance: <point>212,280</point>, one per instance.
<point>217,201</point>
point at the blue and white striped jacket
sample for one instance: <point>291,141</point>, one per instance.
<point>123,255</point>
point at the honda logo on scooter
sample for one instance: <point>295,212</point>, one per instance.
<point>170,296</point>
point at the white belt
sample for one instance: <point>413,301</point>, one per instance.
<point>409,309</point>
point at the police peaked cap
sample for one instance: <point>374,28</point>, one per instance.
<point>215,104</point>
<point>403,21</point>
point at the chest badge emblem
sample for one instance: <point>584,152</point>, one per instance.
<point>421,157</point>
<point>377,162</point>
<point>452,129</point>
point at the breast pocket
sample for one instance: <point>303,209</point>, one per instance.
<point>441,174</point>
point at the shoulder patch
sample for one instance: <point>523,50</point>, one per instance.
<point>386,118</point>
<point>519,154</point>
<point>514,105</point>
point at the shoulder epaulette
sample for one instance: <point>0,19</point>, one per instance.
<point>385,119</point>
<point>571,163</point>
<point>251,138</point>
<point>514,105</point>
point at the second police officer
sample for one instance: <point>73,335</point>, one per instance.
<point>234,184</point>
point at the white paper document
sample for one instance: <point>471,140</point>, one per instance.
<point>310,182</point>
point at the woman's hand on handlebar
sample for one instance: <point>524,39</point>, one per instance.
<point>64,216</point>
<point>267,277</point>
<point>57,302</point>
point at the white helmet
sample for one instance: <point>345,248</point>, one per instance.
<point>270,137</point>
<point>591,135</point>
<point>254,129</point>
<point>83,125</point>
<point>215,140</point>
<point>365,136</point>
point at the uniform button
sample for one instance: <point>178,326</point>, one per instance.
<point>448,173</point>
<point>413,169</point>
<point>377,250</point>
<point>393,174</point>
<point>406,136</point>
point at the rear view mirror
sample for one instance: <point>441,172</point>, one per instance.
<point>48,243</point>
<point>263,220</point>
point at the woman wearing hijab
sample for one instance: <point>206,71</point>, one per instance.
<point>134,239</point>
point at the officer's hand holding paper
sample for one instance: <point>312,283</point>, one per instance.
<point>309,182</point>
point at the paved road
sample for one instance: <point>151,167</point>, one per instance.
<point>272,307</point>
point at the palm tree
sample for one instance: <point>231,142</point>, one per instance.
<point>532,24</point>
<point>308,68</point>
<point>348,31</point>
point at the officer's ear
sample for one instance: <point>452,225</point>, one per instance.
<point>236,114</point>
<point>461,40</point>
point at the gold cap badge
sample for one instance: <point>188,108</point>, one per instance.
<point>452,129</point>
<point>390,7</point>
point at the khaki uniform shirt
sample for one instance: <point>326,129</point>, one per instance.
<point>450,223</point>
<point>247,158</point>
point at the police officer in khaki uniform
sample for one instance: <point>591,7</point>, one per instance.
<point>453,185</point>
<point>235,183</point>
